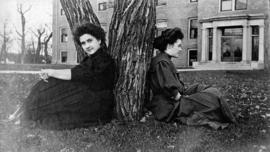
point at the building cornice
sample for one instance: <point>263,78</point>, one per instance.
<point>234,17</point>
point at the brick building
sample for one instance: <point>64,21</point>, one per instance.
<point>218,33</point>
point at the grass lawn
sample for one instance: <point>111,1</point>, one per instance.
<point>248,93</point>
<point>33,67</point>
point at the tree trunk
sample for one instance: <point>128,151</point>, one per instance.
<point>22,34</point>
<point>6,40</point>
<point>268,53</point>
<point>131,37</point>
<point>77,12</point>
<point>39,35</point>
<point>3,54</point>
<point>23,38</point>
<point>46,41</point>
<point>37,56</point>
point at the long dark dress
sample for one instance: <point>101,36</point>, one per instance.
<point>199,105</point>
<point>87,99</point>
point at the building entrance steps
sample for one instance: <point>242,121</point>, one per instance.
<point>227,65</point>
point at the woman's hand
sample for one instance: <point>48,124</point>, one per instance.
<point>63,74</point>
<point>48,71</point>
<point>45,74</point>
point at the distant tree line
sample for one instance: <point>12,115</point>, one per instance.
<point>33,50</point>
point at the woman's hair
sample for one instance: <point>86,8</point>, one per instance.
<point>169,36</point>
<point>88,28</point>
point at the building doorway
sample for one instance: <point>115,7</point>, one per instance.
<point>231,44</point>
<point>192,56</point>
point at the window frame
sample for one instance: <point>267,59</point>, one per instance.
<point>189,50</point>
<point>221,3</point>
<point>236,5</point>
<point>61,55</point>
<point>233,6</point>
<point>62,39</point>
<point>231,35</point>
<point>253,36</point>
<point>210,41</point>
<point>104,4</point>
<point>189,28</point>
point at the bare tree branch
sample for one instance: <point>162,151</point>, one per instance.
<point>29,8</point>
<point>22,34</point>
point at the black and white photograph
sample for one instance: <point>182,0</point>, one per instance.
<point>135,76</point>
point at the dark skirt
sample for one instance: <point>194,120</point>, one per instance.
<point>61,104</point>
<point>199,106</point>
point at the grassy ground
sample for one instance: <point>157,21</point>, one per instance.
<point>248,93</point>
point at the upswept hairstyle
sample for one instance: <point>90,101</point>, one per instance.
<point>169,36</point>
<point>88,28</point>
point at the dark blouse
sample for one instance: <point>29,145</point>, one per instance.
<point>163,76</point>
<point>96,70</point>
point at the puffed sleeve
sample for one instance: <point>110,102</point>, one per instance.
<point>167,80</point>
<point>88,72</point>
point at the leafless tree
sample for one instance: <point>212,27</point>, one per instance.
<point>6,39</point>
<point>45,42</point>
<point>21,34</point>
<point>39,33</point>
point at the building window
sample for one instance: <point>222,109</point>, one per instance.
<point>231,5</point>
<point>210,43</point>
<point>64,35</point>
<point>63,57</point>
<point>231,44</point>
<point>160,2</point>
<point>62,12</point>
<point>193,28</point>
<point>105,4</point>
<point>255,43</point>
<point>192,56</point>
<point>226,5</point>
<point>240,4</point>
<point>102,6</point>
<point>193,1</point>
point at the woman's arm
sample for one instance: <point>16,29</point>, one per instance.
<point>168,82</point>
<point>63,74</point>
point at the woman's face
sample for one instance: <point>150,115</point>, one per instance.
<point>174,49</point>
<point>89,43</point>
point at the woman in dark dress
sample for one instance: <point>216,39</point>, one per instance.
<point>172,100</point>
<point>77,97</point>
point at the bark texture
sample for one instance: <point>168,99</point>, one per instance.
<point>131,37</point>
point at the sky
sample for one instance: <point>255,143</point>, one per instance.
<point>39,14</point>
